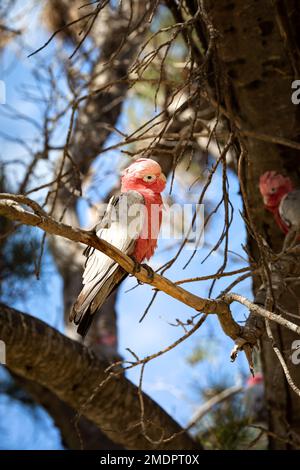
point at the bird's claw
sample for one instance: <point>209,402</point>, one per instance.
<point>150,272</point>
<point>137,268</point>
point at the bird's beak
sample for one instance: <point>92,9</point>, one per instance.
<point>266,200</point>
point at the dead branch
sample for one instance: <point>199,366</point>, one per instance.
<point>12,210</point>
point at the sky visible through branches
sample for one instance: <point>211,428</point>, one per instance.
<point>170,380</point>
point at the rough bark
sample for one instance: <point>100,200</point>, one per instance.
<point>78,377</point>
<point>76,432</point>
<point>258,53</point>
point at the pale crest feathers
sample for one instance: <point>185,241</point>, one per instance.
<point>143,166</point>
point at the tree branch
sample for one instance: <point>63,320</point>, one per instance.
<point>40,353</point>
<point>10,207</point>
<point>48,224</point>
<point>257,309</point>
<point>80,434</point>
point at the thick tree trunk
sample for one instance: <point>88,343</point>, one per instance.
<point>258,54</point>
<point>77,432</point>
<point>39,353</point>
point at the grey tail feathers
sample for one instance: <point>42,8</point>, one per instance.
<point>85,323</point>
<point>82,315</point>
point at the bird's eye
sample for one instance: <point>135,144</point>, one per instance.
<point>149,178</point>
<point>273,190</point>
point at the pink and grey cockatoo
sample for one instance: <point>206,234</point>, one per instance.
<point>254,399</point>
<point>283,201</point>
<point>126,227</point>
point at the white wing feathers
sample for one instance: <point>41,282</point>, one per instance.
<point>120,226</point>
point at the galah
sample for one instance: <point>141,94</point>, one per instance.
<point>254,399</point>
<point>131,230</point>
<point>283,201</point>
<point>255,413</point>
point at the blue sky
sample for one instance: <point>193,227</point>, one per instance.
<point>170,379</point>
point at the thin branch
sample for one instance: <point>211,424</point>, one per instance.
<point>12,210</point>
<point>281,360</point>
<point>257,309</point>
<point>51,226</point>
<point>212,402</point>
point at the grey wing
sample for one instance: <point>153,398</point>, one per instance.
<point>289,209</point>
<point>120,226</point>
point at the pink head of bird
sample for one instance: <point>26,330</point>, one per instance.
<point>257,379</point>
<point>143,174</point>
<point>273,186</point>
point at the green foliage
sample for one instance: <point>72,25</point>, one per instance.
<point>228,426</point>
<point>228,430</point>
<point>19,256</point>
<point>19,253</point>
<point>164,70</point>
<point>202,352</point>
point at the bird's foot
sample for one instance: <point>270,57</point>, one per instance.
<point>149,271</point>
<point>136,269</point>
